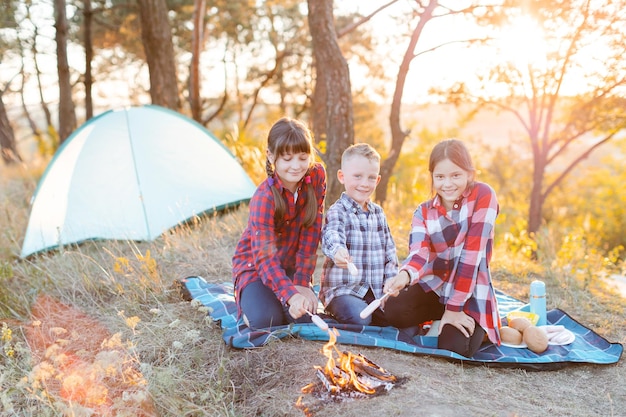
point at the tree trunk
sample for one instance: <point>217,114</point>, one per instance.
<point>42,146</point>
<point>398,135</point>
<point>536,197</point>
<point>197,40</point>
<point>44,106</point>
<point>332,98</point>
<point>156,34</point>
<point>8,148</point>
<point>88,14</point>
<point>67,115</point>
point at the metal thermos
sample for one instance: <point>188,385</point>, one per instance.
<point>538,301</point>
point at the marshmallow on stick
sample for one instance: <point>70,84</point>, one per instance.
<point>367,311</point>
<point>317,320</point>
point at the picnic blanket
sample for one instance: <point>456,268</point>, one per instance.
<point>588,347</point>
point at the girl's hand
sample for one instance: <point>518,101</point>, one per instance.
<point>310,299</point>
<point>460,320</point>
<point>342,257</point>
<point>397,283</point>
<point>297,307</point>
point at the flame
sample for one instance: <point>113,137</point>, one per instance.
<point>347,376</point>
<point>300,405</point>
<point>342,374</point>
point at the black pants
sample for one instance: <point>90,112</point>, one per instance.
<point>415,306</point>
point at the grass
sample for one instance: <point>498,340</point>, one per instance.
<point>163,356</point>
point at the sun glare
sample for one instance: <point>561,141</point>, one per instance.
<point>523,43</point>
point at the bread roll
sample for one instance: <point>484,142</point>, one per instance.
<point>536,339</point>
<point>520,323</point>
<point>510,335</point>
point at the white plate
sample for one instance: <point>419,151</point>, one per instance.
<point>522,346</point>
<point>571,337</point>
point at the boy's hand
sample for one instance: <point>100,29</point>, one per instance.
<point>342,257</point>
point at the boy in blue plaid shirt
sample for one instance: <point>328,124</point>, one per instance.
<point>356,231</point>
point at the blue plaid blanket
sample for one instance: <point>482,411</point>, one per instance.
<point>588,347</point>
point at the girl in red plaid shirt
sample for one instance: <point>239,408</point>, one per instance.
<point>446,274</point>
<point>275,258</point>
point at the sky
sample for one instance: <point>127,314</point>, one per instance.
<point>521,43</point>
<point>439,68</point>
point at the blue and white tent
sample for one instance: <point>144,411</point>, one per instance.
<point>132,174</point>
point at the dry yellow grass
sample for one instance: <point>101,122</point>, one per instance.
<point>189,371</point>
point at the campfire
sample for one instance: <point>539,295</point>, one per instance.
<point>350,375</point>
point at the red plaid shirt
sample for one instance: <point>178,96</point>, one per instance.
<point>269,251</point>
<point>450,254</point>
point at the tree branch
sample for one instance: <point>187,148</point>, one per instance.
<point>365,19</point>
<point>571,166</point>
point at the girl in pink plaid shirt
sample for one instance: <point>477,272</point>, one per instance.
<point>446,275</point>
<point>275,258</point>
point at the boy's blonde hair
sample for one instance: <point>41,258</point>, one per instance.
<point>361,149</point>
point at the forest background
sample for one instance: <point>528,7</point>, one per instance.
<point>540,103</point>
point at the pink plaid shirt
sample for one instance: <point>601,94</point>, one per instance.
<point>450,254</point>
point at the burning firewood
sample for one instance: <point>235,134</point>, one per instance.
<point>349,375</point>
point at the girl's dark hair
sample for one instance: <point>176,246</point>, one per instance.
<point>291,136</point>
<point>457,153</point>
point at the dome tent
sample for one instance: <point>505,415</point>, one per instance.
<point>131,174</point>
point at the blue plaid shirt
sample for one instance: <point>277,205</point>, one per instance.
<point>368,239</point>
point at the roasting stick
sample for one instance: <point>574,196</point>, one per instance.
<point>318,321</point>
<point>353,270</point>
<point>367,311</point>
